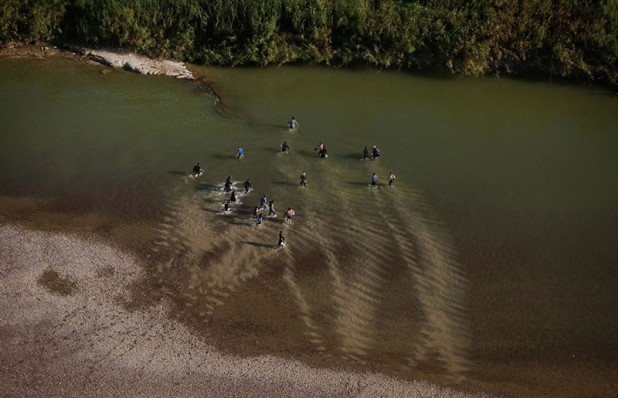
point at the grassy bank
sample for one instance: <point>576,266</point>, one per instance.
<point>573,39</point>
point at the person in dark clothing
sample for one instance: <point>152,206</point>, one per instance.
<point>375,152</point>
<point>197,170</point>
<point>247,185</point>
<point>303,180</point>
<point>281,242</point>
<point>271,209</point>
<point>323,152</point>
<point>285,148</point>
<point>365,153</point>
<point>228,184</point>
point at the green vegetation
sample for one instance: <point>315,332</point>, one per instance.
<point>569,38</point>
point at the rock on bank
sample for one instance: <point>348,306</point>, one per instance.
<point>138,63</point>
<point>112,58</point>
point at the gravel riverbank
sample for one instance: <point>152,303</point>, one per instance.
<point>112,58</point>
<point>68,329</point>
<point>139,63</point>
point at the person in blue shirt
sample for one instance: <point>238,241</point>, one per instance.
<point>240,153</point>
<point>374,180</point>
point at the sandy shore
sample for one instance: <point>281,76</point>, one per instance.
<point>74,334</point>
<point>113,58</point>
<point>138,63</point>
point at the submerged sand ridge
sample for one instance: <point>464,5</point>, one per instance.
<point>316,296</point>
<point>89,343</point>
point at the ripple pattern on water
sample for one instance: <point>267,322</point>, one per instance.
<point>356,239</point>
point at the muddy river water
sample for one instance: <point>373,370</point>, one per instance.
<point>490,262</point>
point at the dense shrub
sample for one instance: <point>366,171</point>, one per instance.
<point>568,38</point>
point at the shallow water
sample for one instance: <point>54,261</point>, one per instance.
<point>490,262</point>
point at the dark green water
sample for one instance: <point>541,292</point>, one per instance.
<point>491,261</point>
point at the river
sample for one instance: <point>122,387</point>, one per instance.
<point>490,262</point>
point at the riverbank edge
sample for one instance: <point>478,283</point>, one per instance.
<point>120,58</point>
<point>114,58</point>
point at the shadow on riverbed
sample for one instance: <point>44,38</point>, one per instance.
<point>258,244</point>
<point>285,183</point>
<point>307,153</point>
<point>360,183</point>
<point>208,187</point>
<point>224,157</point>
<point>178,173</point>
<point>353,156</point>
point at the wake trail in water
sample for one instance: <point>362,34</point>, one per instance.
<point>353,264</point>
<point>354,239</point>
<point>208,259</point>
<point>359,236</point>
<point>313,331</point>
<point>440,284</point>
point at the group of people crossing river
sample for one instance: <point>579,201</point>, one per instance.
<point>265,204</point>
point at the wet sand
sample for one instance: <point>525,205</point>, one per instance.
<point>70,328</point>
